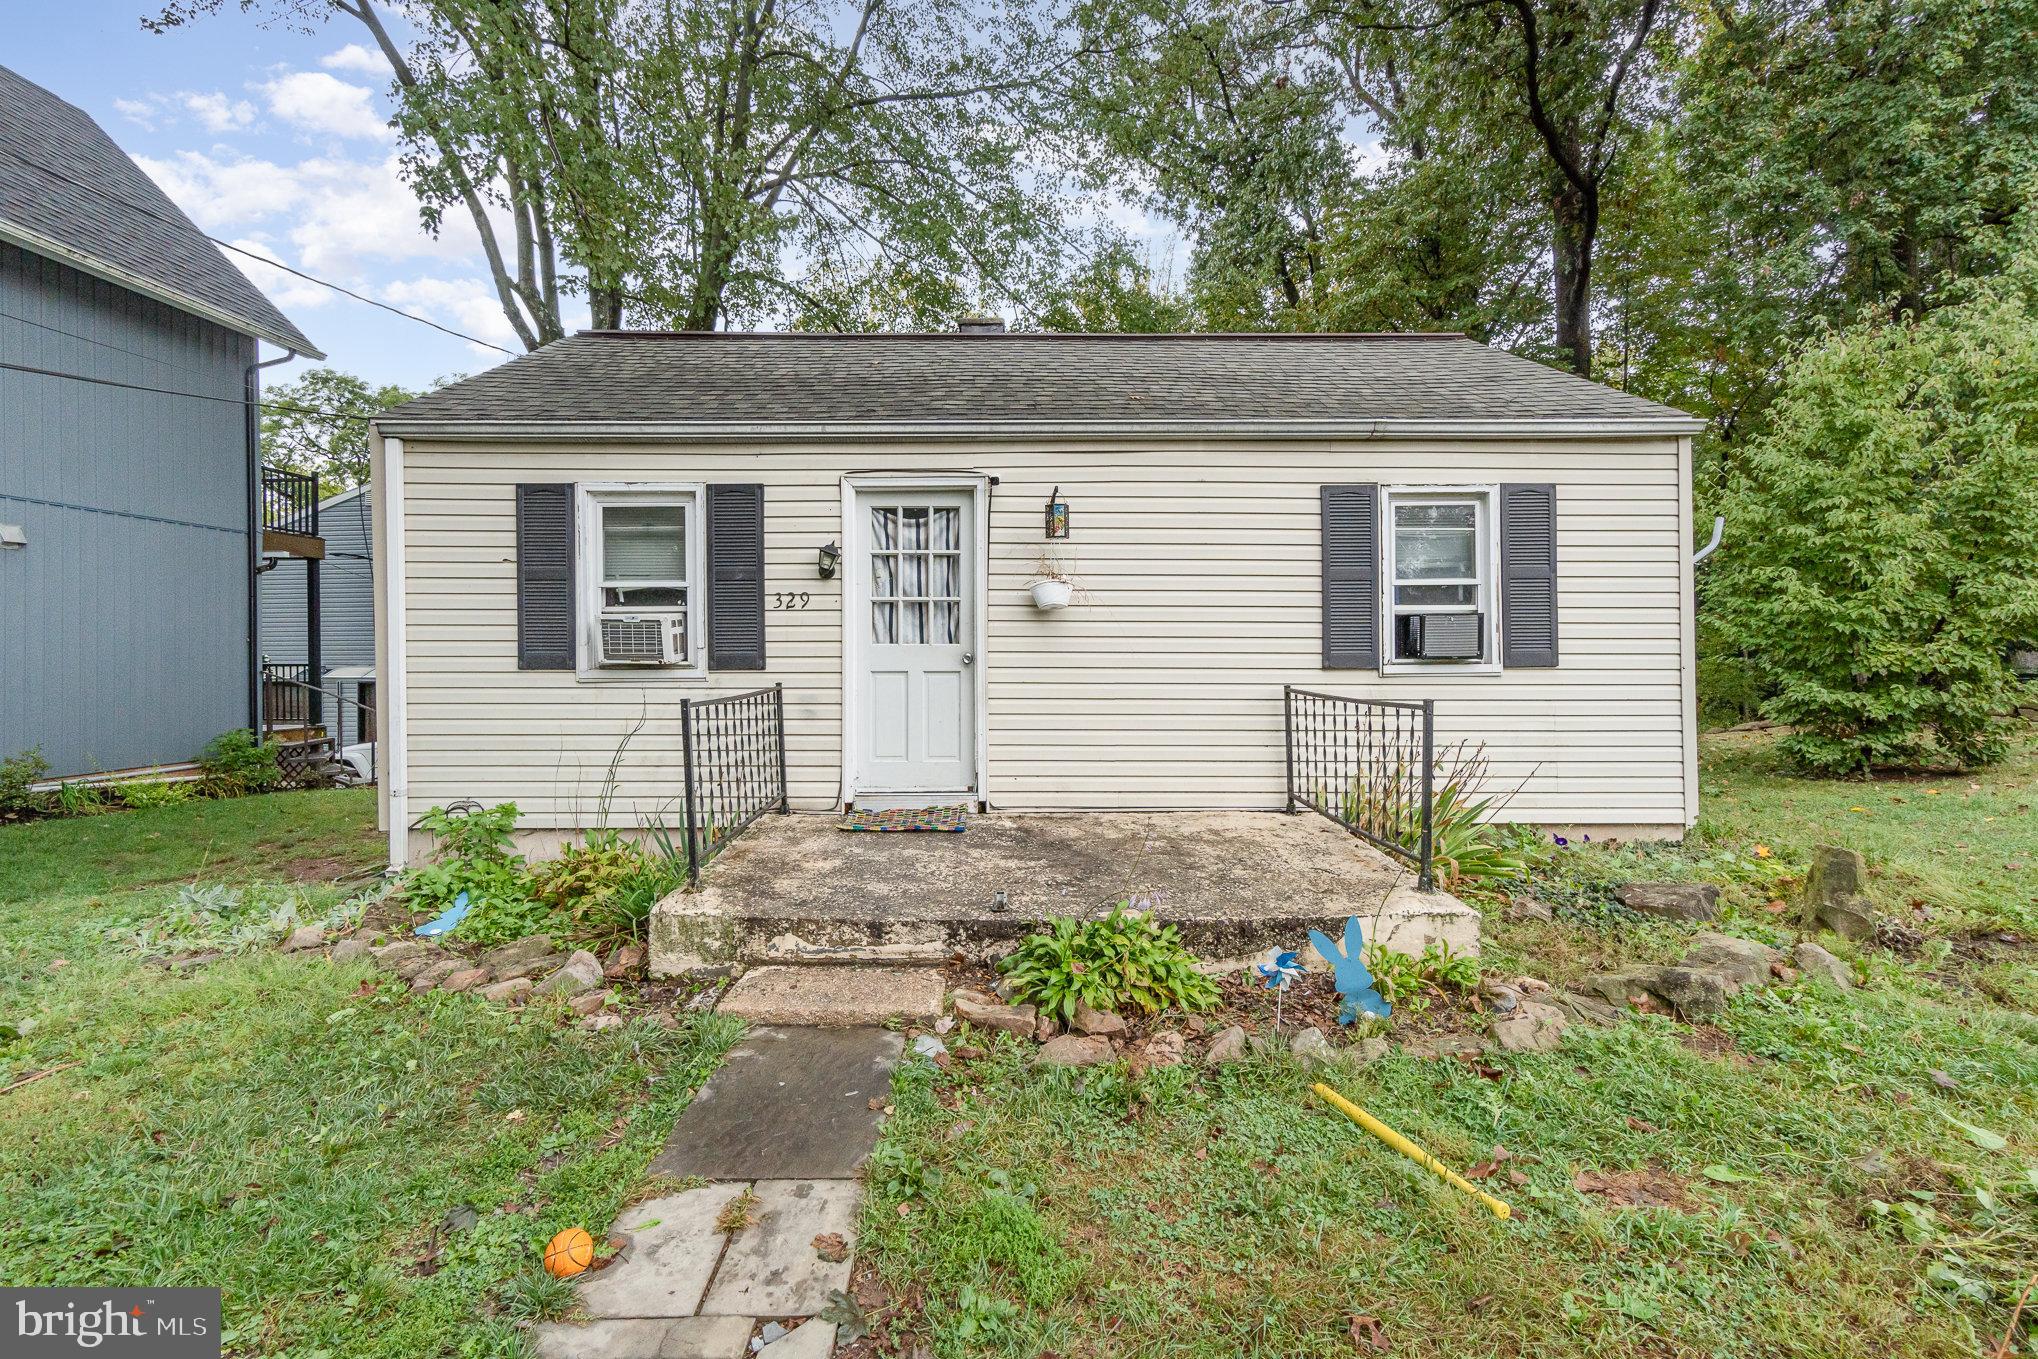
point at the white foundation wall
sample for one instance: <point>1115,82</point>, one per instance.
<point>1199,567</point>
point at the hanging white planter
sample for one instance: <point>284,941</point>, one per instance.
<point>1052,594</point>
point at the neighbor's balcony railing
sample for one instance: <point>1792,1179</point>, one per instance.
<point>290,502</point>
<point>734,752</point>
<point>1367,764</point>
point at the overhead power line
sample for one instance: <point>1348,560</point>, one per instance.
<point>195,396</point>
<point>133,206</point>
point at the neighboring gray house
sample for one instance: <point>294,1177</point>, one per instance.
<point>346,614</point>
<point>133,505</point>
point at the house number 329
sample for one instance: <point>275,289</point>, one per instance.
<point>790,599</point>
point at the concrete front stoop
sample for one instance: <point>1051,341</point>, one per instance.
<point>794,889</point>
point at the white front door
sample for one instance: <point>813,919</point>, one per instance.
<point>917,700</point>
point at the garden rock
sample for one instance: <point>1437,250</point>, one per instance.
<point>466,979</point>
<point>516,988</point>
<point>348,950</point>
<point>305,937</point>
<point>1671,900</point>
<point>987,1013</point>
<point>1586,1009</point>
<point>1310,1047</point>
<point>1533,1027</point>
<point>1368,1050</point>
<point>1817,962</point>
<point>581,972</point>
<point>394,956</point>
<point>1227,1046</point>
<point>434,973</point>
<point>588,1002</point>
<point>626,961</point>
<point>531,948</point>
<point>1096,1023</point>
<point>1742,961</point>
<point>601,1021</point>
<point>1044,1028</point>
<point>1529,909</point>
<point>411,967</point>
<point>1074,1049</point>
<point>1834,895</point>
<point>1162,1049</point>
<point>1433,1046</point>
<point>1691,992</point>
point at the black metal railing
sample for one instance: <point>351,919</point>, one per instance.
<point>287,694</point>
<point>290,502</point>
<point>734,749</point>
<point>1369,765</point>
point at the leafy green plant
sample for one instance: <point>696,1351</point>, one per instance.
<point>140,793</point>
<point>1465,845</point>
<point>476,855</point>
<point>607,886</point>
<point>1127,959</point>
<point>17,772</point>
<point>80,799</point>
<point>238,762</point>
<point>1409,984</point>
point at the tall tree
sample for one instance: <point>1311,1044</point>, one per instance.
<point>318,423</point>
<point>690,162</point>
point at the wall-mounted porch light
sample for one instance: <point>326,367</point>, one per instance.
<point>1057,515</point>
<point>830,556</point>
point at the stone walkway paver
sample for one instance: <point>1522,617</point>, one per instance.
<point>835,996</point>
<point>772,1269</point>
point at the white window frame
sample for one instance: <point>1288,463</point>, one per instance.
<point>1486,598</point>
<point>589,498</point>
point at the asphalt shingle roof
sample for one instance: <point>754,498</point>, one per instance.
<point>63,180</point>
<point>664,378</point>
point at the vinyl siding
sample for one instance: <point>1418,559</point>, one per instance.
<point>1200,561</point>
<point>346,600</point>
<point>123,623</point>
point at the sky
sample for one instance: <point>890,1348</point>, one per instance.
<point>278,141</point>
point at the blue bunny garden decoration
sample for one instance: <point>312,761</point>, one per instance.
<point>1348,971</point>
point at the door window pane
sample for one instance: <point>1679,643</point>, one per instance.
<point>912,575</point>
<point>913,620</point>
<point>947,529</point>
<point>884,623</point>
<point>944,586</point>
<point>913,528</point>
<point>884,576</point>
<point>947,624</point>
<point>884,529</point>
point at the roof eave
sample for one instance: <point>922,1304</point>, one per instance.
<point>1671,425</point>
<point>40,244</point>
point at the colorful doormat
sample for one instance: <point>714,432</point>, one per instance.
<point>907,819</point>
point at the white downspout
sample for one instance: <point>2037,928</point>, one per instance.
<point>396,761</point>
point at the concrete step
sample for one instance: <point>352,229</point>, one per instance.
<point>835,997</point>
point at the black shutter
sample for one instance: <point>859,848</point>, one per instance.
<point>545,622</point>
<point>1351,577</point>
<point>1528,576</point>
<point>736,577</point>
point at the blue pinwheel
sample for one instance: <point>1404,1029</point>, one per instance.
<point>1282,969</point>
<point>1348,971</point>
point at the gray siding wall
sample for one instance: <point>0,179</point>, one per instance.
<point>346,601</point>
<point>123,623</point>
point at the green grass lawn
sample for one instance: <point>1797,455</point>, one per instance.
<point>1837,1174</point>
<point>294,1133</point>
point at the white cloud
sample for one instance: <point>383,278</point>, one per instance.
<point>465,304</point>
<point>285,289</point>
<point>217,112</point>
<point>317,102</point>
<point>142,111</point>
<point>354,57</point>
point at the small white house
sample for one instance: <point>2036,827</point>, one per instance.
<point>569,545</point>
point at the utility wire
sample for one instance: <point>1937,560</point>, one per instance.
<point>63,178</point>
<point>195,396</point>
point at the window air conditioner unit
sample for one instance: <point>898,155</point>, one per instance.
<point>1442,636</point>
<point>643,639</point>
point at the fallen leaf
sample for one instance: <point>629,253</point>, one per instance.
<point>1641,1125</point>
<point>831,1248</point>
<point>1761,851</point>
<point>515,1116</point>
<point>1944,1081</point>
<point>1367,1331</point>
<point>1981,1137</point>
<point>905,1210</point>
<point>1479,1303</point>
<point>1727,1175</point>
<point>1517,1178</point>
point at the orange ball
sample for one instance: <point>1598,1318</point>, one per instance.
<point>570,1252</point>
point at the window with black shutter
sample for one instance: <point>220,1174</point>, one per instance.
<point>736,576</point>
<point>1528,575</point>
<point>545,577</point>
<point>1351,577</point>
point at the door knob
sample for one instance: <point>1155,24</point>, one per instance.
<point>968,659</point>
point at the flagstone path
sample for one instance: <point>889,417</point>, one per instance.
<point>787,1119</point>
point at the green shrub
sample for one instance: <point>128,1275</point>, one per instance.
<point>1880,536</point>
<point>139,793</point>
<point>1408,983</point>
<point>16,773</point>
<point>476,855</point>
<point>606,887</point>
<point>1126,960</point>
<point>237,763</point>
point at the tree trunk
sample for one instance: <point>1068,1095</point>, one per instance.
<point>605,306</point>
<point>1573,223</point>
